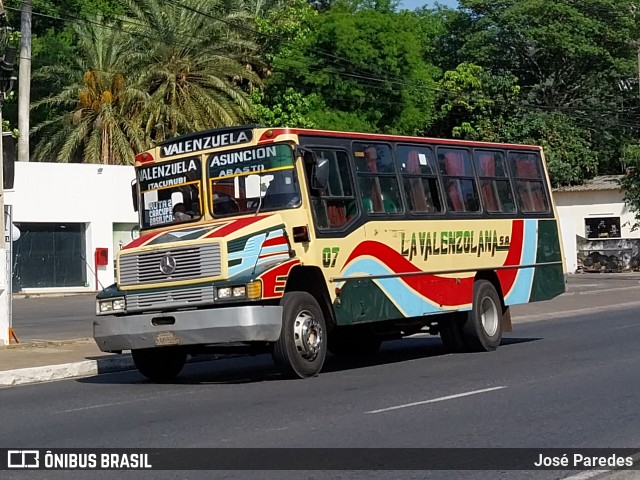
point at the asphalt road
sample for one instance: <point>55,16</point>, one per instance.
<point>566,383</point>
<point>54,317</point>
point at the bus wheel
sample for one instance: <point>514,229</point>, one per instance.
<point>451,332</point>
<point>302,347</point>
<point>350,343</point>
<point>159,363</point>
<point>483,328</point>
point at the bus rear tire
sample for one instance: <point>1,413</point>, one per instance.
<point>483,327</point>
<point>159,364</point>
<point>302,347</point>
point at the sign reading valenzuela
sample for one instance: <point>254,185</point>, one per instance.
<point>205,141</point>
<point>168,174</point>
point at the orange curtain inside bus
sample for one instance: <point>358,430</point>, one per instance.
<point>454,166</point>
<point>487,164</point>
<point>416,189</point>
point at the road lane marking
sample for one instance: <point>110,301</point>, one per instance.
<point>627,326</point>
<point>124,402</point>
<point>527,318</point>
<point>440,399</point>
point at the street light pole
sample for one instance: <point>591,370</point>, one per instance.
<point>6,84</point>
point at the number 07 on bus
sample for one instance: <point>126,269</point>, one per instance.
<point>301,242</point>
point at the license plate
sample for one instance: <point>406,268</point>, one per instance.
<point>166,338</point>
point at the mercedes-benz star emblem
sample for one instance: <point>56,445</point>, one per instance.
<point>167,264</point>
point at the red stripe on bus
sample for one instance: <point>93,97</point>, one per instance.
<point>235,226</point>
<point>271,242</point>
<point>448,291</point>
<point>270,279</point>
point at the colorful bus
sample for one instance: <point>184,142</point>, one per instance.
<point>299,242</point>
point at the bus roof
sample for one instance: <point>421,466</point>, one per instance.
<point>270,134</point>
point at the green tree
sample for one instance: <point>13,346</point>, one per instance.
<point>362,69</point>
<point>98,122</point>
<point>570,154</point>
<point>569,58</point>
<point>192,58</point>
<point>475,104</point>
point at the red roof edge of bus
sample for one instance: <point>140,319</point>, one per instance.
<point>275,132</point>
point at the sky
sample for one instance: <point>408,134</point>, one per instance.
<point>412,4</point>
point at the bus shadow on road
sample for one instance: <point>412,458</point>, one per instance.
<point>245,369</point>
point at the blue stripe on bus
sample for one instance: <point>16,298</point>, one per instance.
<point>522,286</point>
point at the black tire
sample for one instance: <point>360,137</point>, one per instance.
<point>302,347</point>
<point>483,327</point>
<point>159,364</point>
<point>451,332</point>
<point>351,342</point>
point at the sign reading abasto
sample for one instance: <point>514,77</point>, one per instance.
<point>167,174</point>
<point>204,142</point>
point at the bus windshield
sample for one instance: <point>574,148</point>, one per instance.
<point>253,179</point>
<point>170,192</point>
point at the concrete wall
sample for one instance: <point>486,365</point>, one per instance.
<point>574,206</point>
<point>97,196</point>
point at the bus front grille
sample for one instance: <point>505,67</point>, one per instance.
<point>170,265</point>
<point>183,298</point>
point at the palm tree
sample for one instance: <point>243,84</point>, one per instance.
<point>192,56</point>
<point>100,122</point>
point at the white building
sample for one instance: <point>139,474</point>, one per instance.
<point>595,219</point>
<point>64,213</point>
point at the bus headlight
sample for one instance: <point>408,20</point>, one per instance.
<point>224,293</point>
<point>111,305</point>
<point>251,290</point>
<point>238,292</point>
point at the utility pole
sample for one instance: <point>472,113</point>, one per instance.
<point>6,84</point>
<point>24,81</point>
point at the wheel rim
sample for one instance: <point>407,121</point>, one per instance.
<point>489,316</point>
<point>308,335</point>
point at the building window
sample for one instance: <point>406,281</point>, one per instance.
<point>602,227</point>
<point>49,255</point>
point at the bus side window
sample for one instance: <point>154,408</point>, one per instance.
<point>419,179</point>
<point>377,179</point>
<point>459,182</point>
<point>495,188</point>
<point>527,170</point>
<point>334,206</point>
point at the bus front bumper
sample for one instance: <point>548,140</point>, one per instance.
<point>192,327</point>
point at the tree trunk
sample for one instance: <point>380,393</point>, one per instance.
<point>24,81</point>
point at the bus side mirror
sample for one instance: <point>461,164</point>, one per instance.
<point>134,195</point>
<point>320,174</point>
<point>9,160</point>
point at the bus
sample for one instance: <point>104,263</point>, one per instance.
<point>300,242</point>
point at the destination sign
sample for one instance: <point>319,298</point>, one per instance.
<point>167,174</point>
<point>255,159</point>
<point>205,141</point>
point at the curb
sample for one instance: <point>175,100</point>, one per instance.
<point>48,373</point>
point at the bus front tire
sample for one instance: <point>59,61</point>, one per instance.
<point>159,364</point>
<point>483,328</point>
<point>302,347</point>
